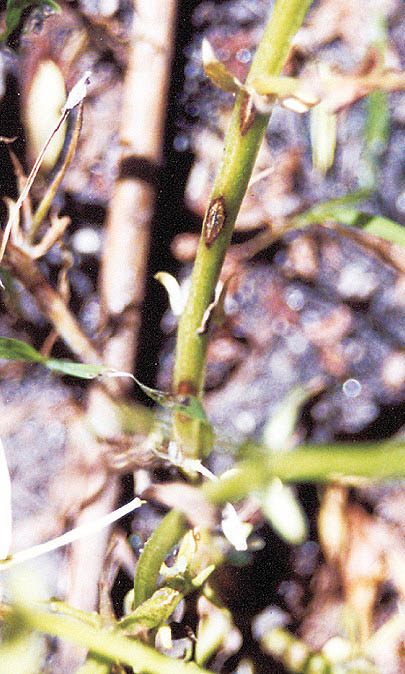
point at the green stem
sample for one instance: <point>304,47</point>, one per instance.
<point>95,665</point>
<point>109,645</point>
<point>316,463</point>
<point>242,143</point>
<point>58,606</point>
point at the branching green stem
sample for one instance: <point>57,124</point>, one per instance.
<point>242,143</point>
<point>109,645</point>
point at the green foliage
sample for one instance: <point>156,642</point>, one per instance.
<point>22,651</point>
<point>14,349</point>
<point>15,9</point>
<point>308,463</point>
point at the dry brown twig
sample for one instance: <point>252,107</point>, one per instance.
<point>132,205</point>
<point>51,304</point>
<point>126,249</point>
<point>75,98</point>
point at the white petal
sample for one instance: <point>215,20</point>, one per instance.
<point>235,531</point>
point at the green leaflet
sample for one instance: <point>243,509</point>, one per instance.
<point>168,533</point>
<point>154,611</point>
<point>105,644</point>
<point>14,349</point>
<point>342,209</point>
<point>376,132</point>
<point>15,8</point>
<point>217,71</point>
<point>68,367</point>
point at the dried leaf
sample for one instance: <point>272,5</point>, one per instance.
<point>77,94</point>
<point>75,97</point>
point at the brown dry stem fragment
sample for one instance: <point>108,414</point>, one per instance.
<point>63,288</point>
<point>51,236</point>
<point>215,221</point>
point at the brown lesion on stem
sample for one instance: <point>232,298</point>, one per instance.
<point>214,221</point>
<point>186,388</point>
<point>248,113</point>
